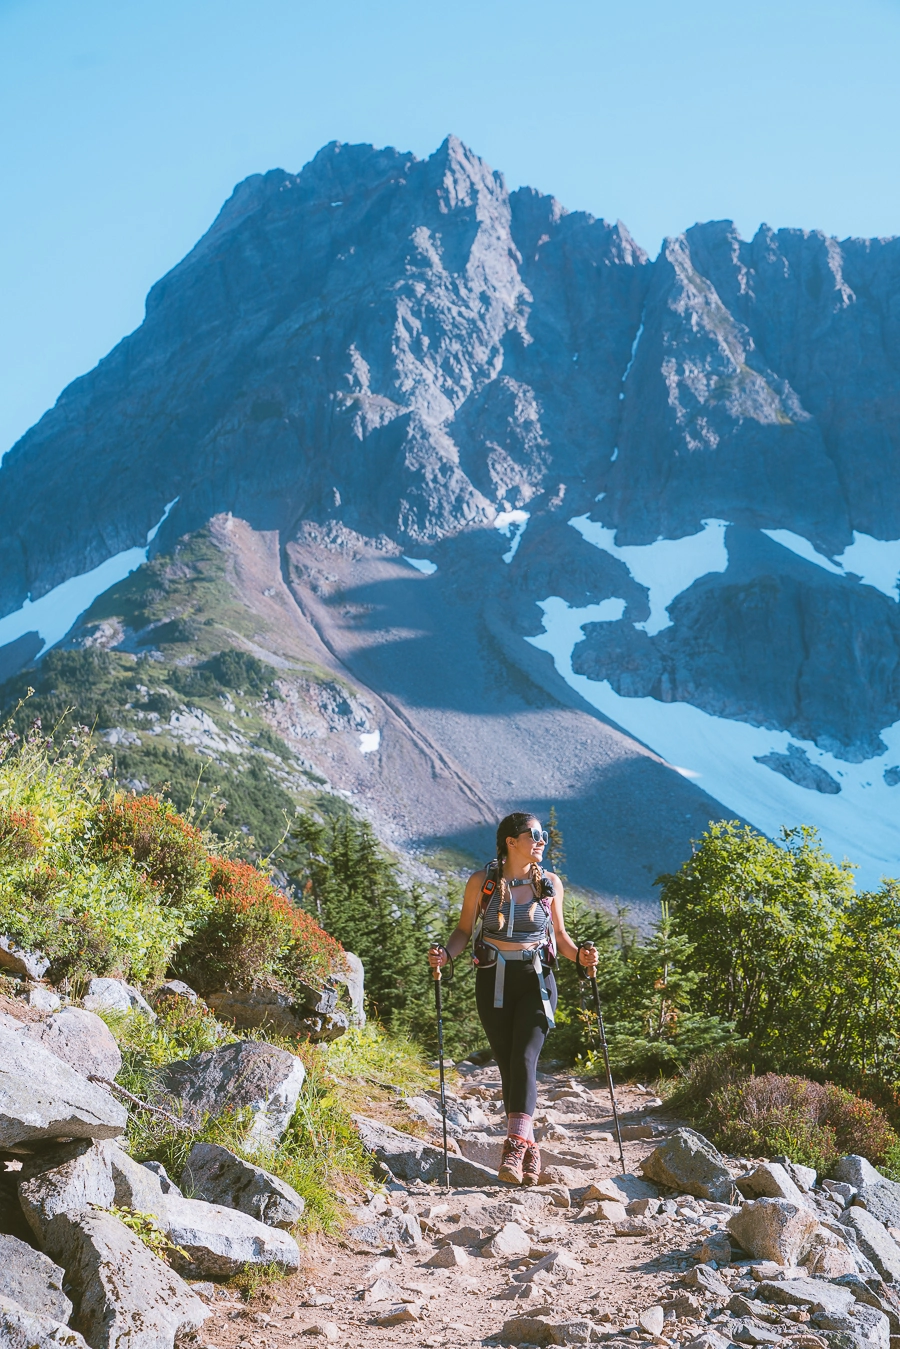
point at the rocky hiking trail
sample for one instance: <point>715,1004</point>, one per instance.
<point>590,1255</point>
<point>685,1249</point>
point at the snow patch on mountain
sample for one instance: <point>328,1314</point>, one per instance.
<point>875,561</point>
<point>665,568</point>
<point>53,614</point>
<point>511,525</point>
<point>861,820</point>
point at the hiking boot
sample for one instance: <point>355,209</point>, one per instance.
<point>531,1166</point>
<point>510,1169</point>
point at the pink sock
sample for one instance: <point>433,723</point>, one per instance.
<point>520,1126</point>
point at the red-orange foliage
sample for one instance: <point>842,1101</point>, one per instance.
<point>20,835</point>
<point>254,932</point>
<point>168,849</point>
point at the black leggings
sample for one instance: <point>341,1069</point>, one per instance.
<point>516,1031</point>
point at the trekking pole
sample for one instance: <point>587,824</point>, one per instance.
<point>440,1031</point>
<point>601,1031</point>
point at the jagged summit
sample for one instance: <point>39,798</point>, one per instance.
<point>699,453</point>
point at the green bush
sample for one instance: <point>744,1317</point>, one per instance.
<point>163,846</point>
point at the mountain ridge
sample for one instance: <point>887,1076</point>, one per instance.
<point>447,372</point>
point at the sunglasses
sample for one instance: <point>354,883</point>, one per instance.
<point>539,835</point>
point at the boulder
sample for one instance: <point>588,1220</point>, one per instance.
<point>42,1097</point>
<point>216,1175</point>
<point>217,1240</point>
<point>873,1293</point>
<point>868,1327</point>
<point>771,1181</point>
<point>221,1241</point>
<point>557,1261</point>
<point>68,1179</point>
<point>249,1074</point>
<point>307,1011</point>
<point>875,1192</point>
<point>773,1229</point>
<point>805,1293</point>
<point>651,1321</point>
<point>32,1280</point>
<point>114,995</point>
<point>544,1330</point>
<point>828,1257</point>
<point>26,964</point>
<point>689,1163</point>
<point>23,1329</point>
<point>81,1039</point>
<point>410,1158</point>
<point>610,1211</point>
<point>875,1242</point>
<point>354,980</point>
<point>127,1298</point>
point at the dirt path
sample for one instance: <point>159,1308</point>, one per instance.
<point>344,1288</point>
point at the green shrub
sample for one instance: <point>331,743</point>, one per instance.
<point>811,1122</point>
<point>168,850</point>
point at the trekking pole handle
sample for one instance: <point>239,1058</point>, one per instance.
<point>437,971</point>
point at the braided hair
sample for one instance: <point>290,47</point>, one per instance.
<point>509,827</point>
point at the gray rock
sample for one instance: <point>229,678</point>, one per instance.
<point>216,1175</point>
<point>354,978</point>
<point>42,1097</point>
<point>71,1180</point>
<point>545,1330</point>
<point>817,1293</point>
<point>166,1184</point>
<point>706,1280</point>
<point>873,1293</point>
<point>857,1171</point>
<point>249,1074</point>
<point>403,1228</point>
<point>875,1243</point>
<point>114,995</point>
<point>410,1158</point>
<point>127,1298</point>
<point>22,1329</point>
<point>26,964</point>
<point>173,989</point>
<point>774,1229</point>
<point>32,1280</point>
<point>81,1039</point>
<point>688,1162</point>
<point>717,1246</point>
<point>771,1181</point>
<point>868,1327</point>
<point>221,1241</point>
<point>43,999</point>
<point>511,1240</point>
<point>308,1011</point>
<point>875,1192</point>
<point>830,1257</point>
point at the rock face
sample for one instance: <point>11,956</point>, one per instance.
<point>42,1097</point>
<point>71,1179</point>
<point>216,1175</point>
<point>249,1074</point>
<point>404,355</point>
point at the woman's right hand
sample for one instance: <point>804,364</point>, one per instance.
<point>437,957</point>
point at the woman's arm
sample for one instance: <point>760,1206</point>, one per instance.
<point>459,940</point>
<point>564,942</point>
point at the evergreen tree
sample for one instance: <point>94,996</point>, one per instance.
<point>555,851</point>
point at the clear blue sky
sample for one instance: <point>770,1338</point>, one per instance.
<point>126,123</point>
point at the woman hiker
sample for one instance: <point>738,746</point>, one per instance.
<point>517,908</point>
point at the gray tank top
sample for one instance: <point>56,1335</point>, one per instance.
<point>524,919</point>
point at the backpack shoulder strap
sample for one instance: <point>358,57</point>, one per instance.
<point>491,875</point>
